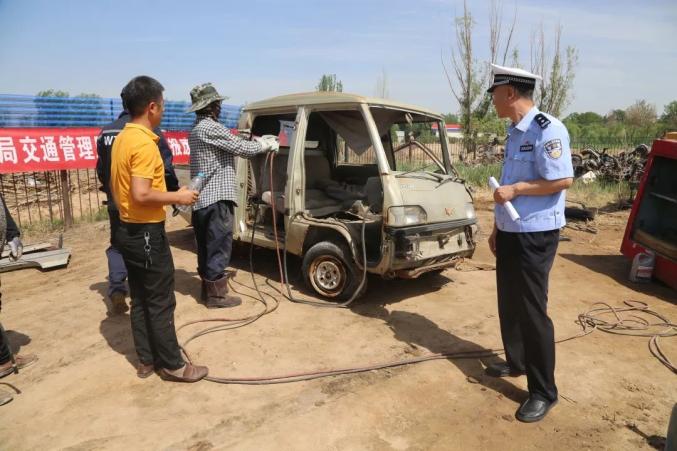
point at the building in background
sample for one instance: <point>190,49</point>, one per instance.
<point>453,130</point>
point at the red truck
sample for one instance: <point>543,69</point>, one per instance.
<point>652,224</point>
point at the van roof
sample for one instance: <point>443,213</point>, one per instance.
<point>318,98</point>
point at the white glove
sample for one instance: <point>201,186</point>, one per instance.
<point>268,143</point>
<point>265,146</point>
<point>16,248</point>
<point>274,145</point>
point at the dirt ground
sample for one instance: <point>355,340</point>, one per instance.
<point>84,394</point>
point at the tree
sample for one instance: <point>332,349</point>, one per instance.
<point>451,118</point>
<point>328,82</point>
<point>586,118</point>
<point>615,117</point>
<point>490,126</point>
<point>640,120</point>
<point>640,114</point>
<point>469,81</point>
<point>53,93</point>
<point>554,93</point>
<point>669,116</point>
<point>55,112</point>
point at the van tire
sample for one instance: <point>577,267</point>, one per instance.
<point>329,270</point>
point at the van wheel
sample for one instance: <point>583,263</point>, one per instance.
<point>329,270</point>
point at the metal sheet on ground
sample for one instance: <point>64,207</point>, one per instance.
<point>43,260</point>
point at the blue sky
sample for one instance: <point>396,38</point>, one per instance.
<point>261,48</point>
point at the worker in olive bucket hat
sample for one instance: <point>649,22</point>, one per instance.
<point>213,149</point>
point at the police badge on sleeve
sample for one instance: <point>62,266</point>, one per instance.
<point>553,148</point>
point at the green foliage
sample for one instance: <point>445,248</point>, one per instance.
<point>615,117</point>
<point>490,126</point>
<point>584,118</point>
<point>478,175</point>
<point>598,194</point>
<point>641,114</point>
<point>329,83</point>
<point>669,116</point>
<point>59,93</point>
<point>53,93</point>
<point>451,118</point>
<point>554,93</point>
<point>101,214</point>
<point>422,132</point>
<point>629,127</point>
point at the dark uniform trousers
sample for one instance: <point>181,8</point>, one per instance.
<point>523,263</point>
<point>146,253</point>
<point>11,233</point>
<point>117,272</point>
<point>213,226</point>
<point>5,355</point>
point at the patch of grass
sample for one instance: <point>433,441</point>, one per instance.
<point>478,175</point>
<point>45,227</point>
<point>101,214</point>
<point>39,228</point>
<point>598,194</point>
<point>406,166</point>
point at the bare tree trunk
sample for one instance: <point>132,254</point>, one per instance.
<point>382,85</point>
<point>464,74</point>
<point>555,91</point>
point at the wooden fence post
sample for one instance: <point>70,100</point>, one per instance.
<point>66,196</point>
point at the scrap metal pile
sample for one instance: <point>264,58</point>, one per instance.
<point>591,164</point>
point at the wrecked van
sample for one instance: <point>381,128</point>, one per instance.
<point>357,181</point>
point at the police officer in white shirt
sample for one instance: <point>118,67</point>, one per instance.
<point>536,173</point>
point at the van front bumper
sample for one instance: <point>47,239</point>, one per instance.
<point>416,250</point>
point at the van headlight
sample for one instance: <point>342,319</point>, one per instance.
<point>470,210</point>
<point>406,215</point>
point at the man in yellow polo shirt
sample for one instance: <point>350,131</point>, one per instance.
<point>138,187</point>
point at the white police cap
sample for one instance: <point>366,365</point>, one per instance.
<point>512,76</point>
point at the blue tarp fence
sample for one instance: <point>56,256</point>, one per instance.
<point>34,111</point>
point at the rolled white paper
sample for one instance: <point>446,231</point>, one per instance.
<point>493,183</point>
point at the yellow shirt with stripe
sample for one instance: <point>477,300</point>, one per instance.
<point>135,154</point>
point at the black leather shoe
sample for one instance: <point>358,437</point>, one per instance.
<point>501,370</point>
<point>534,409</point>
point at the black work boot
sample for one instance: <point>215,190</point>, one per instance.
<point>217,294</point>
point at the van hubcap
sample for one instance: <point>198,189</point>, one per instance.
<point>328,276</point>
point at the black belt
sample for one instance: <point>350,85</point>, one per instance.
<point>133,227</point>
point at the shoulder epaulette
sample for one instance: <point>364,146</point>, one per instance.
<point>542,121</point>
